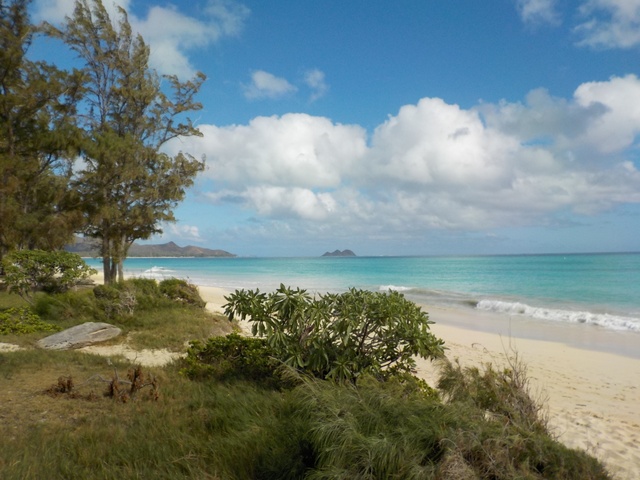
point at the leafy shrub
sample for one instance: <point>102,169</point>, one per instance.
<point>29,270</point>
<point>123,299</point>
<point>80,306</point>
<point>181,291</point>
<point>23,320</point>
<point>339,336</point>
<point>115,300</point>
<point>231,357</point>
<point>145,286</point>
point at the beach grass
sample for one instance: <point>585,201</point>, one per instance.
<point>238,429</point>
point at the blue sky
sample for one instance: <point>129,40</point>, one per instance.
<point>422,127</point>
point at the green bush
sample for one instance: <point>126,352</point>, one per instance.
<point>27,271</point>
<point>23,320</point>
<point>77,306</point>
<point>339,336</point>
<point>232,357</point>
<point>181,291</point>
<point>116,300</point>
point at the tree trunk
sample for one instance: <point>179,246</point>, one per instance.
<point>106,262</point>
<point>120,271</point>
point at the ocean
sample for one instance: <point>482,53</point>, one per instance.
<point>602,290</point>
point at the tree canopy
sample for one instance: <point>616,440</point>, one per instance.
<point>37,140</point>
<point>127,184</point>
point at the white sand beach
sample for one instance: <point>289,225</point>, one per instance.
<point>592,395</point>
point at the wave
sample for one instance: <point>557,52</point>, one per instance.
<point>397,288</point>
<point>605,320</point>
<point>158,273</point>
<point>428,296</point>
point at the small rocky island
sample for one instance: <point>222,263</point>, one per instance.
<point>339,253</point>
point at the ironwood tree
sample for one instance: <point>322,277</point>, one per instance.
<point>128,185</point>
<point>37,140</point>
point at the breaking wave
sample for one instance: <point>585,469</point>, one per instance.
<point>605,320</point>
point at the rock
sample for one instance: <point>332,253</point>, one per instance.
<point>338,253</point>
<point>80,336</point>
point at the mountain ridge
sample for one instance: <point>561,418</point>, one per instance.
<point>88,248</point>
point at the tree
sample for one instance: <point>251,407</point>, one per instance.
<point>37,139</point>
<point>129,186</point>
<point>30,270</point>
<point>339,336</point>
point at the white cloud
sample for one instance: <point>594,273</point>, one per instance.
<point>295,150</point>
<point>293,202</point>
<point>315,80</point>
<point>266,85</point>
<point>537,12</point>
<point>55,11</point>
<point>433,165</point>
<point>603,118</point>
<point>171,34</point>
<point>189,233</point>
<point>609,24</point>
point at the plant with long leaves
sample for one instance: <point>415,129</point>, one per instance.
<point>339,336</point>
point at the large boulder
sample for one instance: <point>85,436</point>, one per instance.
<point>80,336</point>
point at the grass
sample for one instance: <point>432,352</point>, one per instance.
<point>478,424</point>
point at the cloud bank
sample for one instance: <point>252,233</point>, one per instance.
<point>432,165</point>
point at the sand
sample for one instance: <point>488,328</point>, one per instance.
<point>144,357</point>
<point>592,394</point>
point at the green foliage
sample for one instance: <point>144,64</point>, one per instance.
<point>29,270</point>
<point>240,430</point>
<point>181,291</point>
<point>232,357</point>
<point>23,320</point>
<point>68,308</point>
<point>339,336</point>
<point>116,300</point>
<point>37,139</point>
<point>122,299</point>
<point>503,393</point>
<point>128,185</point>
<point>377,430</point>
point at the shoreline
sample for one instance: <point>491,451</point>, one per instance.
<point>591,395</point>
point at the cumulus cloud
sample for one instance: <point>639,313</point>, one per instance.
<point>433,165</point>
<point>171,34</point>
<point>266,85</point>
<point>609,24</point>
<point>537,12</point>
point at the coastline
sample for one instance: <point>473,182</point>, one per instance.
<point>591,394</point>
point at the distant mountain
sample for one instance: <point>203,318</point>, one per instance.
<point>339,253</point>
<point>90,248</point>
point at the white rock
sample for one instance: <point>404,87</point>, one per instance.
<point>80,336</point>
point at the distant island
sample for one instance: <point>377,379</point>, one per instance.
<point>88,248</point>
<point>339,253</point>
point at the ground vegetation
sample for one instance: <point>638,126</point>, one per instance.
<point>232,409</point>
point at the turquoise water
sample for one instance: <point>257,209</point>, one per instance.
<point>599,289</point>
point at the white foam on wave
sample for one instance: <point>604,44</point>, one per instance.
<point>158,273</point>
<point>605,320</point>
<point>397,288</point>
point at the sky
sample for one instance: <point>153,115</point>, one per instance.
<point>412,127</point>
